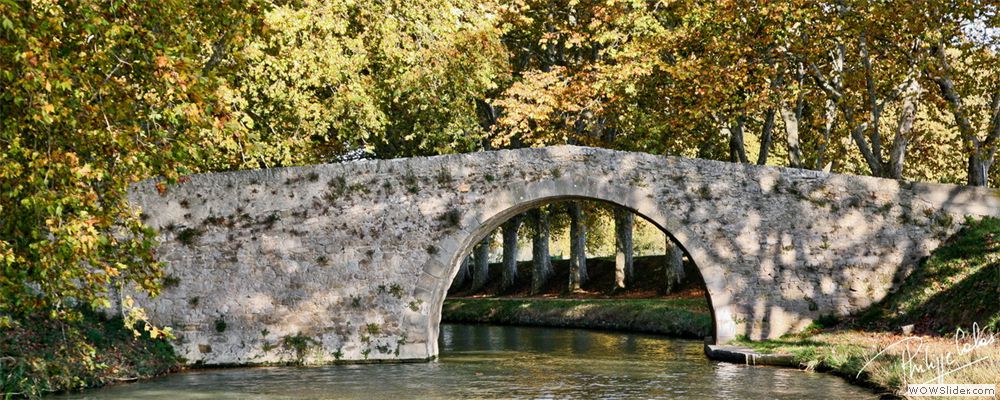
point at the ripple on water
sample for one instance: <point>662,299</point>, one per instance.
<point>483,361</point>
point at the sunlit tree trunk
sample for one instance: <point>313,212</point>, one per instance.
<point>577,247</point>
<point>624,275</point>
<point>791,114</point>
<point>766,135</point>
<point>734,131</point>
<point>674,268</point>
<point>481,264</point>
<point>509,264</point>
<point>540,260</point>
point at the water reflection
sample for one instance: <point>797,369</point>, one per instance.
<point>480,361</point>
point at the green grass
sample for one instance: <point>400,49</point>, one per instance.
<point>675,317</point>
<point>957,286</point>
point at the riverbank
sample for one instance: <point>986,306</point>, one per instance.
<point>947,311</point>
<point>677,317</point>
<point>39,355</point>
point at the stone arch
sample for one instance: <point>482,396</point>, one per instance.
<point>331,249</point>
<point>517,199</point>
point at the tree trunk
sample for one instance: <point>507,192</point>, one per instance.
<point>791,122</point>
<point>463,273</point>
<point>765,136</point>
<point>540,260</point>
<point>481,264</point>
<point>674,268</point>
<point>508,273</point>
<point>577,247</point>
<point>981,152</point>
<point>624,220</point>
<point>907,116</point>
<point>737,151</point>
<point>979,168</point>
<point>830,110</point>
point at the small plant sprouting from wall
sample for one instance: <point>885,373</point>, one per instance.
<point>451,218</point>
<point>270,220</point>
<point>396,290</point>
<point>193,302</point>
<point>556,173</point>
<point>338,187</point>
<point>415,305</point>
<point>638,181</point>
<point>399,343</point>
<point>443,177</point>
<point>373,329</point>
<point>432,250</point>
<point>188,236</point>
<point>412,183</point>
<point>355,301</point>
<point>705,192</point>
<point>220,325</point>
<point>944,220</point>
<point>489,178</point>
<point>170,281</point>
<point>214,221</point>
<point>337,355</point>
<point>885,209</point>
<point>298,345</point>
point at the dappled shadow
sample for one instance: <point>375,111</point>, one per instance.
<point>359,255</point>
<point>966,267</point>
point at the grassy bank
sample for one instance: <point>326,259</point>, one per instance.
<point>39,355</point>
<point>958,286</point>
<point>688,318</point>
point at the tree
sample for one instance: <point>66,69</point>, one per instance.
<point>624,269</point>
<point>96,95</point>
<point>540,259</point>
<point>963,69</point>
<point>877,62</point>
<point>509,263</point>
<point>386,79</point>
<point>481,263</point>
<point>463,273</point>
<point>578,247</point>
<point>674,267</point>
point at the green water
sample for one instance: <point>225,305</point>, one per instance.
<point>482,361</point>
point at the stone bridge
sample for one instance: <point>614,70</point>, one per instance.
<point>352,261</point>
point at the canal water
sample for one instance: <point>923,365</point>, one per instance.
<point>483,361</point>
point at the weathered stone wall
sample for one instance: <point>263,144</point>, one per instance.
<point>352,261</point>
